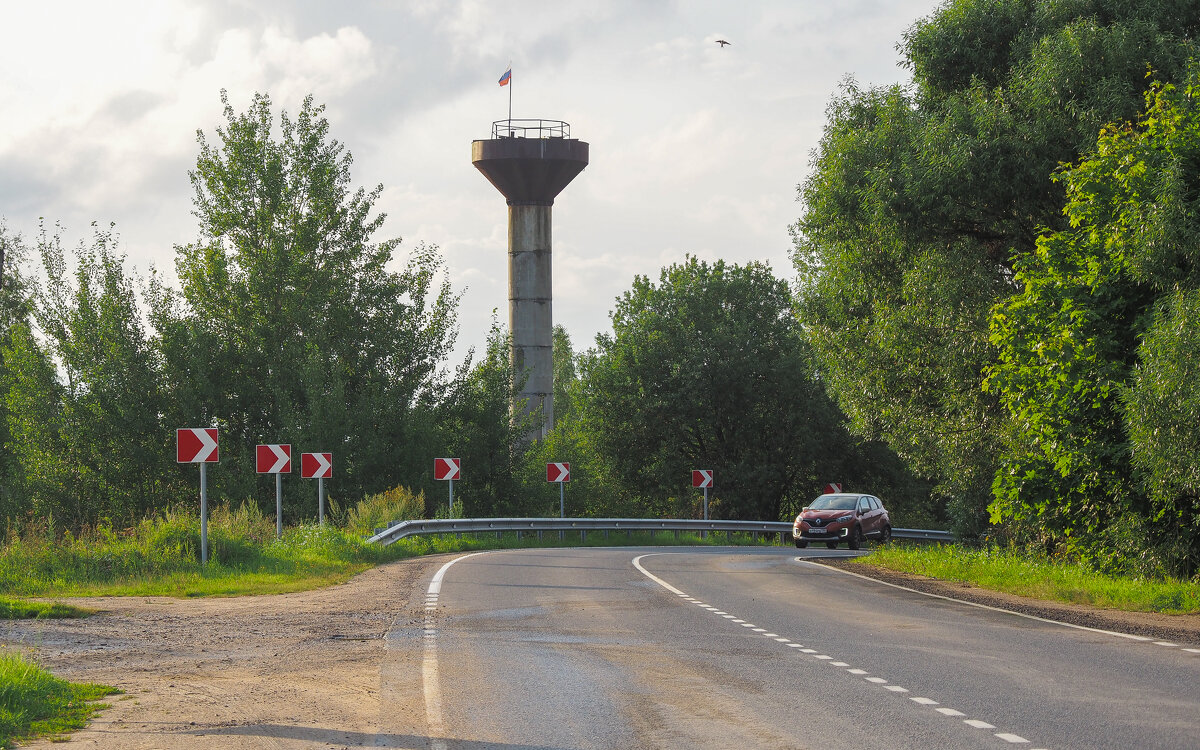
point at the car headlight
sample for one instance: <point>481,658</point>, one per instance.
<point>845,519</point>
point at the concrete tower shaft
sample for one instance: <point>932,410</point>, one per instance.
<point>530,164</point>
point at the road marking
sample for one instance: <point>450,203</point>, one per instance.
<point>975,604</point>
<point>977,723</point>
<point>1016,739</point>
<point>430,684</point>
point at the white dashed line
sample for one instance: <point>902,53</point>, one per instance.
<point>976,723</point>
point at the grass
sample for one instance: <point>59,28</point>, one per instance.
<point>159,556</point>
<point>16,609</point>
<point>34,703</point>
<point>1014,572</point>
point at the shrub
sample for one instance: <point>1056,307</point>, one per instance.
<point>376,511</point>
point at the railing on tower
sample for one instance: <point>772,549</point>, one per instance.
<point>530,128</point>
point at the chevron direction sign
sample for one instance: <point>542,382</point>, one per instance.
<point>833,488</point>
<point>316,465</point>
<point>558,472</point>
<point>196,445</point>
<point>273,459</point>
<point>447,469</point>
<point>702,478</point>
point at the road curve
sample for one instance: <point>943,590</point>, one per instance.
<point>746,648</point>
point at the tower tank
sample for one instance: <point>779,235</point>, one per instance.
<point>530,162</point>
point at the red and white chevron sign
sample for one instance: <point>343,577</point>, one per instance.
<point>273,459</point>
<point>702,477</point>
<point>445,469</point>
<point>557,472</point>
<point>316,465</point>
<point>196,445</point>
<point>833,488</point>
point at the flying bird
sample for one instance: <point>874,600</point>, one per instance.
<point>723,43</point>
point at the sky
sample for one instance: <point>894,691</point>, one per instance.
<point>694,148</point>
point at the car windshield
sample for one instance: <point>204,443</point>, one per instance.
<point>834,502</point>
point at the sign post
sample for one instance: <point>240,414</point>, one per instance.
<point>561,473</point>
<point>317,466</point>
<point>198,445</point>
<point>703,478</point>
<point>447,470</point>
<point>277,460</point>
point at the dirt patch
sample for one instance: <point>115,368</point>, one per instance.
<point>303,670</point>
<point>1149,624</point>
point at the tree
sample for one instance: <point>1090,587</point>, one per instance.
<point>1097,348</point>
<point>290,327</point>
<point>14,313</point>
<point>924,199</point>
<point>478,425</point>
<point>89,444</point>
<point>708,369</point>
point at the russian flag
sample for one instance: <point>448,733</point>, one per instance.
<point>504,79</point>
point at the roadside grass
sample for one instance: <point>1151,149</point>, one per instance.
<point>34,703</point>
<point>17,609</point>
<point>159,557</point>
<point>1015,572</point>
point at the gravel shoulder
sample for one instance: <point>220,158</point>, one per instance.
<point>304,670</point>
<point>1184,628</point>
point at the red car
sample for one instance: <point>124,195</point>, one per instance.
<point>843,516</point>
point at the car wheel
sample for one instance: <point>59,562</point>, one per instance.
<point>801,544</point>
<point>831,545</point>
<point>886,535</point>
<point>854,541</point>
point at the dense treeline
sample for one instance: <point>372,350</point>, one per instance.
<point>997,268</point>
<point>288,325</point>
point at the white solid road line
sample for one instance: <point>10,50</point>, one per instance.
<point>430,684</point>
<point>881,682</point>
<point>1130,636</point>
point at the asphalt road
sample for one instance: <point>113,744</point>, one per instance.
<point>747,648</point>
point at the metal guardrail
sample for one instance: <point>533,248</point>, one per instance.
<point>499,525</point>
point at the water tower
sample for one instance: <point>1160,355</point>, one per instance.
<point>530,162</point>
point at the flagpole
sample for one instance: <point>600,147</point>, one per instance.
<point>510,88</point>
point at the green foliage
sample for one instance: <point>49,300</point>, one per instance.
<point>708,370</point>
<point>1016,571</point>
<point>289,326</point>
<point>15,609</point>
<point>479,427</point>
<point>923,201</point>
<point>83,407</point>
<point>34,703</point>
<point>160,556</point>
<point>1097,351</point>
<point>376,511</point>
